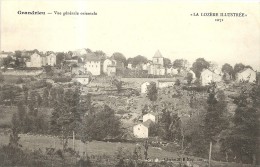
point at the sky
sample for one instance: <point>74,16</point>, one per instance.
<point>136,28</point>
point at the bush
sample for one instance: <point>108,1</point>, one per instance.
<point>195,88</point>
<point>178,82</point>
<point>62,79</point>
<point>2,79</point>
<point>19,80</point>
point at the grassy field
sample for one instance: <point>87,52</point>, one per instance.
<point>33,142</point>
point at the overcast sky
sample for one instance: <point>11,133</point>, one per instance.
<point>136,28</point>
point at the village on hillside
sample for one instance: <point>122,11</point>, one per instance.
<point>69,104</point>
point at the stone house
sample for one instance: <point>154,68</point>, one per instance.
<point>246,74</point>
<point>108,62</point>
<point>208,76</point>
<point>36,60</point>
<point>51,59</point>
<point>93,64</point>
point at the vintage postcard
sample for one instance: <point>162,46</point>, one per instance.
<point>129,83</point>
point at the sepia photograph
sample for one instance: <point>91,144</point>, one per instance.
<point>129,83</point>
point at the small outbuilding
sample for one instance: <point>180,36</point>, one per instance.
<point>144,87</point>
<point>142,130</point>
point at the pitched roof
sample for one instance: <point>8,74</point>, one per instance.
<point>157,54</point>
<point>147,123</point>
<point>51,54</point>
<point>152,113</point>
<point>245,70</point>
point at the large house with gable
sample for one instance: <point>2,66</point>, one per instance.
<point>157,65</point>
<point>208,76</point>
<point>93,64</point>
<point>246,74</point>
<point>141,130</point>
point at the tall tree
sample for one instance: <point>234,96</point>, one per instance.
<point>167,62</point>
<point>2,79</point>
<point>118,85</point>
<point>119,57</point>
<point>152,92</point>
<point>100,53</point>
<point>171,126</point>
<point>7,61</point>
<point>14,138</point>
<point>60,58</point>
<point>138,60</point>
<point>66,116</point>
<point>214,119</point>
<point>180,63</point>
<point>199,65</point>
<point>189,78</point>
<point>227,69</point>
<point>45,97</point>
<point>21,113</point>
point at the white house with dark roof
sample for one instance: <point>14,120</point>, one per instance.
<point>246,74</point>
<point>208,76</point>
<point>141,130</point>
<point>93,64</point>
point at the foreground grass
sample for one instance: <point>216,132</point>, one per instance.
<point>34,142</point>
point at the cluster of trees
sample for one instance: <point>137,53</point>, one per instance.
<point>242,137</point>
<point>88,122</point>
<point>100,125</point>
<point>236,135</point>
<point>8,93</point>
<point>230,72</point>
<point>30,120</point>
<point>69,114</point>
